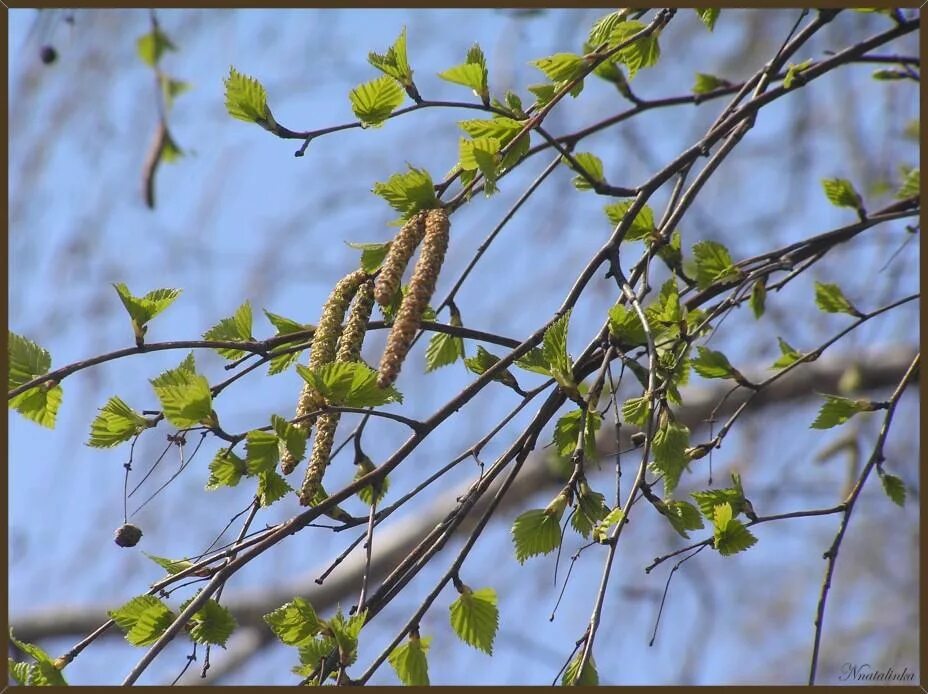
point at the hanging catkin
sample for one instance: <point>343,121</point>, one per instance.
<point>421,288</point>
<point>322,352</point>
<point>394,264</point>
<point>349,350</point>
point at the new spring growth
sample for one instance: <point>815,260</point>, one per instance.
<point>325,341</point>
<point>348,350</point>
<point>421,288</point>
<point>394,264</point>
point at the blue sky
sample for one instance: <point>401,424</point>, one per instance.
<point>241,218</point>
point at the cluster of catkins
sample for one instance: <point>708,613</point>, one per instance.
<point>334,341</point>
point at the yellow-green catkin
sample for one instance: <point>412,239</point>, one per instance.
<point>323,350</point>
<point>394,264</point>
<point>421,288</point>
<point>348,350</point>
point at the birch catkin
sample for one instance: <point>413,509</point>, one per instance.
<point>394,264</point>
<point>421,288</point>
<point>349,349</point>
<point>323,351</point>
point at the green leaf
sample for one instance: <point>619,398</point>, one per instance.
<point>636,411</point>
<point>708,16</point>
<point>641,229</point>
<point>573,676</point>
<point>484,360</point>
<point>409,192</point>
<point>538,531</point>
<point>143,309</point>
<point>683,516</point>
<point>841,193</point>
<point>116,423</point>
<point>172,566</point>
<point>591,509</point>
<point>642,53</point>
<point>602,30</point>
<point>515,154</point>
<point>236,327</point>
<point>350,384</point>
<point>225,470</point>
<point>543,93</point>
<point>27,360</point>
<point>43,673</point>
<point>669,447</point>
<point>534,361</point>
<point>554,350</point>
<point>602,528</point>
<point>712,364</point>
<point>409,662</point>
<point>152,46</point>
<point>345,630</point>
<point>475,618</point>
<point>290,438</point>
<point>171,89</point>
<point>246,100</point>
<point>837,410</point>
<point>707,83</point>
<point>894,487</point>
<point>713,264</point>
<point>284,326</point>
<point>561,67</point>
<point>472,73</point>
<point>41,403</point>
<point>294,623</point>
<point>792,73</point>
<point>830,299</point>
<point>593,166</point>
<point>372,492</point>
<point>788,355</point>
<point>271,487</point>
<point>184,395</point>
<point>481,154</point>
<point>372,254</point>
<point>625,326</point>
<point>143,619</point>
<point>261,452</point>
<point>731,536</point>
<point>394,63</point>
<point>503,129</point>
<point>313,653</point>
<point>911,185</point>
<point>442,350</point>
<point>374,101</point>
<point>758,298</point>
<point>708,499</point>
<point>212,624</point>
<point>567,432</point>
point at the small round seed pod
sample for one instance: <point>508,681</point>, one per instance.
<point>319,458</point>
<point>421,288</point>
<point>323,351</point>
<point>394,264</point>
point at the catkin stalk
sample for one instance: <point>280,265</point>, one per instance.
<point>394,264</point>
<point>349,349</point>
<point>323,351</point>
<point>421,288</point>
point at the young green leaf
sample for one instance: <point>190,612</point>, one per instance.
<point>236,327</point>
<point>246,100</point>
<point>261,452</point>
<point>409,662</point>
<point>707,83</point>
<point>793,72</point>
<point>911,185</point>
<point>271,487</point>
<point>346,630</point>
<point>442,350</point>
<point>291,438</point>
<point>172,566</point>
<point>284,326</point>
<point>573,677</point>
<point>730,536</point>
<point>315,652</point>
<point>212,623</point>
<point>116,423</point>
<point>152,46</point>
<point>225,470</point>
<point>26,360</point>
<point>475,618</point>
<point>713,264</point>
<point>554,350</point>
<point>642,227</point>
<point>758,298</point>
<point>373,492</point>
<point>567,432</point>
<point>625,326</point>
<point>641,53</point>
<point>143,619</point>
<point>708,16</point>
<point>708,499</point>
<point>591,509</point>
<point>40,404</point>
<point>838,410</point>
<point>374,101</point>
<point>472,73</point>
<point>294,623</point>
<point>184,395</point>
<point>592,165</point>
<point>670,459</point>
<point>543,93</point>
<point>602,30</point>
<point>502,128</point>
<point>830,298</point>
<point>349,384</point>
<point>171,89</point>
<point>143,309</point>
<point>394,63</point>
<point>44,672</point>
<point>538,531</point>
<point>560,67</point>
<point>372,254</point>
<point>481,154</point>
<point>603,527</point>
<point>409,192</point>
<point>788,355</point>
<point>841,193</point>
<point>682,516</point>
<point>893,486</point>
<point>535,362</point>
<point>484,360</point>
<point>712,364</point>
